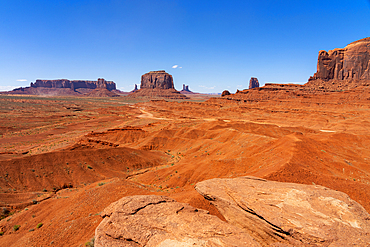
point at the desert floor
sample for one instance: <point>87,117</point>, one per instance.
<point>64,159</point>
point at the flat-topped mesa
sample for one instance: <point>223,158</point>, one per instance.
<point>75,84</point>
<point>349,63</point>
<point>157,79</point>
<point>253,83</point>
<point>157,84</point>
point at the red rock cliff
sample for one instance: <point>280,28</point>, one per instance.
<point>351,62</point>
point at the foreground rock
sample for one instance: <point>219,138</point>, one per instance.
<point>291,214</point>
<point>161,221</point>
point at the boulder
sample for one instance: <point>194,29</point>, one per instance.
<point>150,220</point>
<point>276,213</point>
<point>157,79</point>
<point>253,83</point>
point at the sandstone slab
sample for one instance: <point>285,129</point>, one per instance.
<point>276,213</point>
<point>161,221</point>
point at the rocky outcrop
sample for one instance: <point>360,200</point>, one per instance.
<point>349,63</point>
<point>135,89</point>
<point>225,93</point>
<point>64,83</point>
<point>157,79</point>
<point>276,213</point>
<point>253,83</point>
<point>151,220</point>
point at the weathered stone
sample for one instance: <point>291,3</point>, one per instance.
<point>161,221</point>
<point>225,92</point>
<point>290,214</point>
<point>157,79</point>
<point>253,83</point>
<point>351,62</point>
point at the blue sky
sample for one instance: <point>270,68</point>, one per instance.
<point>218,44</point>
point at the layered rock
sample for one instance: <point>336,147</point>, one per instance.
<point>157,79</point>
<point>161,221</point>
<point>64,83</point>
<point>253,83</point>
<point>291,214</point>
<point>349,63</point>
<point>157,84</point>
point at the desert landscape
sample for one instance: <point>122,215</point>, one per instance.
<point>277,165</point>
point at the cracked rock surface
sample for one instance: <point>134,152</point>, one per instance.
<point>150,220</point>
<point>288,214</point>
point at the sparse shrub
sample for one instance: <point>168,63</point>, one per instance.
<point>90,243</point>
<point>44,190</point>
<point>31,230</point>
<point>39,225</point>
<point>16,227</point>
<point>100,184</point>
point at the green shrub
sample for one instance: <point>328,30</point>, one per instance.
<point>88,166</point>
<point>1,233</point>
<point>39,225</point>
<point>90,243</point>
<point>16,227</point>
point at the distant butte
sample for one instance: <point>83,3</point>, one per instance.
<point>185,89</point>
<point>64,87</point>
<point>157,84</point>
<point>253,83</point>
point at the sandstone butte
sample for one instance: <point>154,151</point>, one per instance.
<point>157,84</point>
<point>253,83</point>
<point>60,87</point>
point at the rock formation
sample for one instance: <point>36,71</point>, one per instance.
<point>151,220</point>
<point>157,84</point>
<point>64,87</point>
<point>225,93</point>
<point>349,63</point>
<point>157,79</point>
<point>287,213</point>
<point>64,83</point>
<point>135,89</point>
<point>253,83</point>
<point>185,89</point>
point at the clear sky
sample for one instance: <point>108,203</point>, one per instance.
<point>216,45</point>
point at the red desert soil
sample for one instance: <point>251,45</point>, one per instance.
<point>63,160</point>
